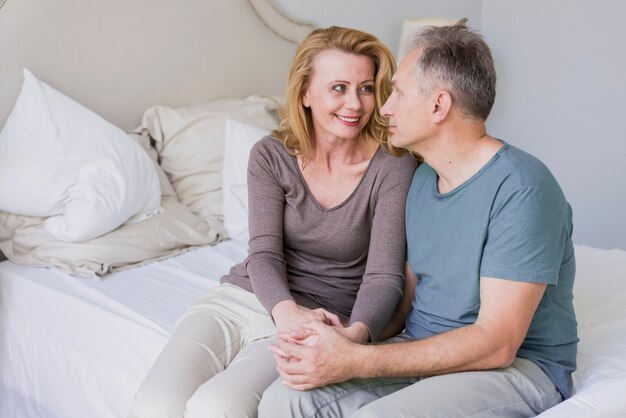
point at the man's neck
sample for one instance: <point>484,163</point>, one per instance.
<point>458,154</point>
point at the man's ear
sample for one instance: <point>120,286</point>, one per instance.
<point>441,106</point>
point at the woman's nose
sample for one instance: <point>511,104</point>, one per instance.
<point>353,101</point>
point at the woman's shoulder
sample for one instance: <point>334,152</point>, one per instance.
<point>269,154</point>
<point>268,146</point>
<point>404,163</point>
<point>268,142</point>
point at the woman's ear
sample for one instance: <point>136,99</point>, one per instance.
<point>305,99</point>
<point>441,106</point>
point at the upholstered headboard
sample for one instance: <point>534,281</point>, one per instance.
<point>120,57</point>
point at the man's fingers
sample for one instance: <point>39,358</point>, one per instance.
<point>298,382</point>
<point>290,349</point>
<point>293,378</point>
<point>301,387</point>
<point>277,351</point>
<point>296,335</point>
<point>291,368</point>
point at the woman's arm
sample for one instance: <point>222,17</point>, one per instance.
<point>381,288</point>
<point>396,324</point>
<point>266,263</point>
<point>266,202</point>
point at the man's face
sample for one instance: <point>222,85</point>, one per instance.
<point>408,110</point>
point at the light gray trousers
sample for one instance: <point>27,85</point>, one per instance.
<point>216,364</point>
<point>520,390</point>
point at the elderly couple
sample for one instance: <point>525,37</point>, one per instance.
<point>372,288</point>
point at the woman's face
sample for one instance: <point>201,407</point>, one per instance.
<point>340,94</point>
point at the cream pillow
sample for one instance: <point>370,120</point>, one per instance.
<point>60,160</point>
<point>190,143</point>
<point>240,138</point>
<point>24,240</point>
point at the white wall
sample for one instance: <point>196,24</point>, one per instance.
<point>561,88</point>
<point>561,83</point>
<point>382,19</point>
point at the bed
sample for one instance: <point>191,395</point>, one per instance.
<point>83,317</point>
<point>75,348</point>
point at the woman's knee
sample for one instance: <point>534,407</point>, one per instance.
<point>157,406</point>
<point>211,401</point>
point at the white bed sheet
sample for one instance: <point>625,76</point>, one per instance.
<point>73,347</point>
<point>600,305</point>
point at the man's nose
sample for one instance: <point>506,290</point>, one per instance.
<point>387,109</point>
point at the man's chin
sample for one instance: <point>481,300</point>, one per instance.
<point>395,141</point>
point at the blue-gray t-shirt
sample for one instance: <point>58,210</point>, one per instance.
<point>509,221</point>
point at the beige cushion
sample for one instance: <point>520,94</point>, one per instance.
<point>24,239</point>
<point>190,143</point>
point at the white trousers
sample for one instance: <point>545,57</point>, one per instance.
<point>216,364</point>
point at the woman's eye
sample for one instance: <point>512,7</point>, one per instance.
<point>367,89</point>
<point>340,88</point>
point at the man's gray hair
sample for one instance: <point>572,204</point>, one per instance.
<point>458,60</point>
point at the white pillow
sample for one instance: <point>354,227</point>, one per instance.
<point>240,138</point>
<point>190,143</point>
<point>60,160</point>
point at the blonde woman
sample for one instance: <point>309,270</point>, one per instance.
<point>327,241</point>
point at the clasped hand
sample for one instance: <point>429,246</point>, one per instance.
<point>310,345</point>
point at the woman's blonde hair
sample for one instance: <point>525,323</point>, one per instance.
<point>296,127</point>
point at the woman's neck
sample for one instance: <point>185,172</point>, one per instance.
<point>329,152</point>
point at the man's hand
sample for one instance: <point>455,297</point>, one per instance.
<point>314,356</point>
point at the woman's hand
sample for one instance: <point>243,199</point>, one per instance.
<point>289,316</point>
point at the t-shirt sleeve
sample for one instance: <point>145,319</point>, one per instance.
<point>526,236</point>
<point>381,288</point>
<point>266,200</point>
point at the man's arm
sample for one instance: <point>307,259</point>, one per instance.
<point>507,308</point>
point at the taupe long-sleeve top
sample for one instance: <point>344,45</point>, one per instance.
<point>348,259</point>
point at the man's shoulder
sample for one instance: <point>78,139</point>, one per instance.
<point>424,171</point>
<point>521,169</point>
<point>526,184</point>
